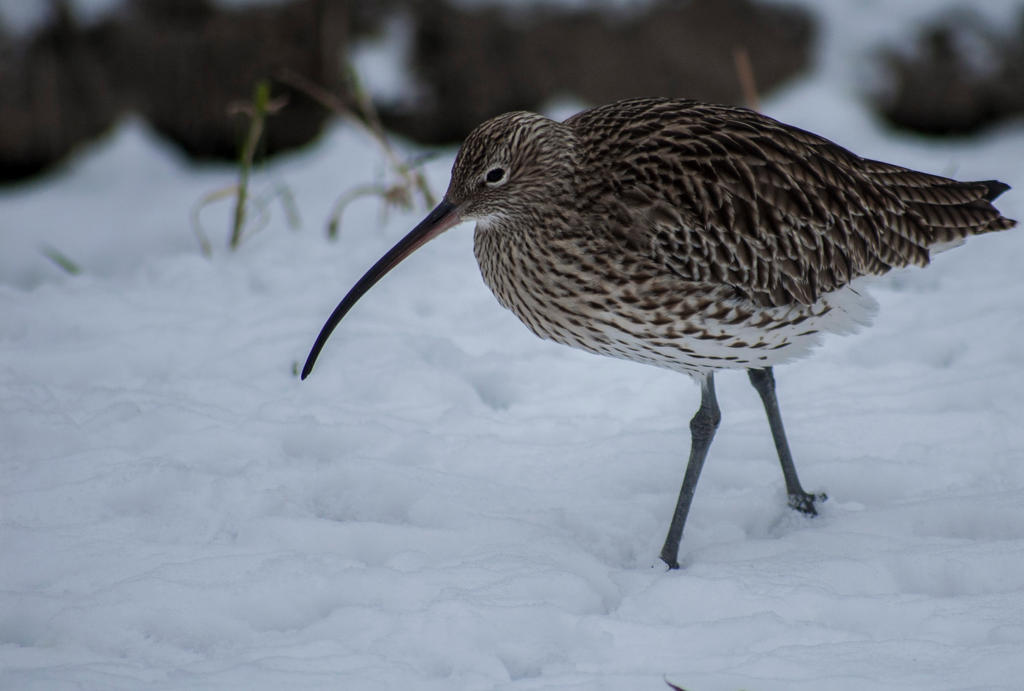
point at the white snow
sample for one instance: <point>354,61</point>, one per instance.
<point>382,63</point>
<point>450,503</point>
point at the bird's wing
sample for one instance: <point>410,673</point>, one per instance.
<point>728,196</point>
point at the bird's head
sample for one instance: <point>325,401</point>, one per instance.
<point>509,167</point>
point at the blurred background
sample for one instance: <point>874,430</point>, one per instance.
<point>433,69</point>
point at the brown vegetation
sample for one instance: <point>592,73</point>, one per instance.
<point>959,75</point>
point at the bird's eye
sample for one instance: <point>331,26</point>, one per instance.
<point>494,176</point>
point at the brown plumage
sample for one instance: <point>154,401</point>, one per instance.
<point>690,236</point>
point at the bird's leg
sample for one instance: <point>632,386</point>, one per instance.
<point>702,431</point>
<point>764,381</point>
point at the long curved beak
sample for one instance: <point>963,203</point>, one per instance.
<point>443,217</point>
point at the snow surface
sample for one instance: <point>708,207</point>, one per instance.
<point>450,503</point>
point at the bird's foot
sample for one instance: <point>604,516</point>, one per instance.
<point>804,502</point>
<point>671,560</point>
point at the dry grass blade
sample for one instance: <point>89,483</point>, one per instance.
<point>258,110</point>
<point>395,195</point>
<point>61,260</point>
<point>745,74</point>
<point>410,179</point>
<point>197,225</point>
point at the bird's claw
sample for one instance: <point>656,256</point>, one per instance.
<point>804,502</point>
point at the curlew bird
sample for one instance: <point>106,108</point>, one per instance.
<point>689,236</point>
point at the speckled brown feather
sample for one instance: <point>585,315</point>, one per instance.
<point>727,195</point>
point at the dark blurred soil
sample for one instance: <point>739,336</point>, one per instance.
<point>184,64</point>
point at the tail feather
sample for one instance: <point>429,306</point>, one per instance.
<point>932,197</point>
<point>952,210</point>
<point>993,188</point>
